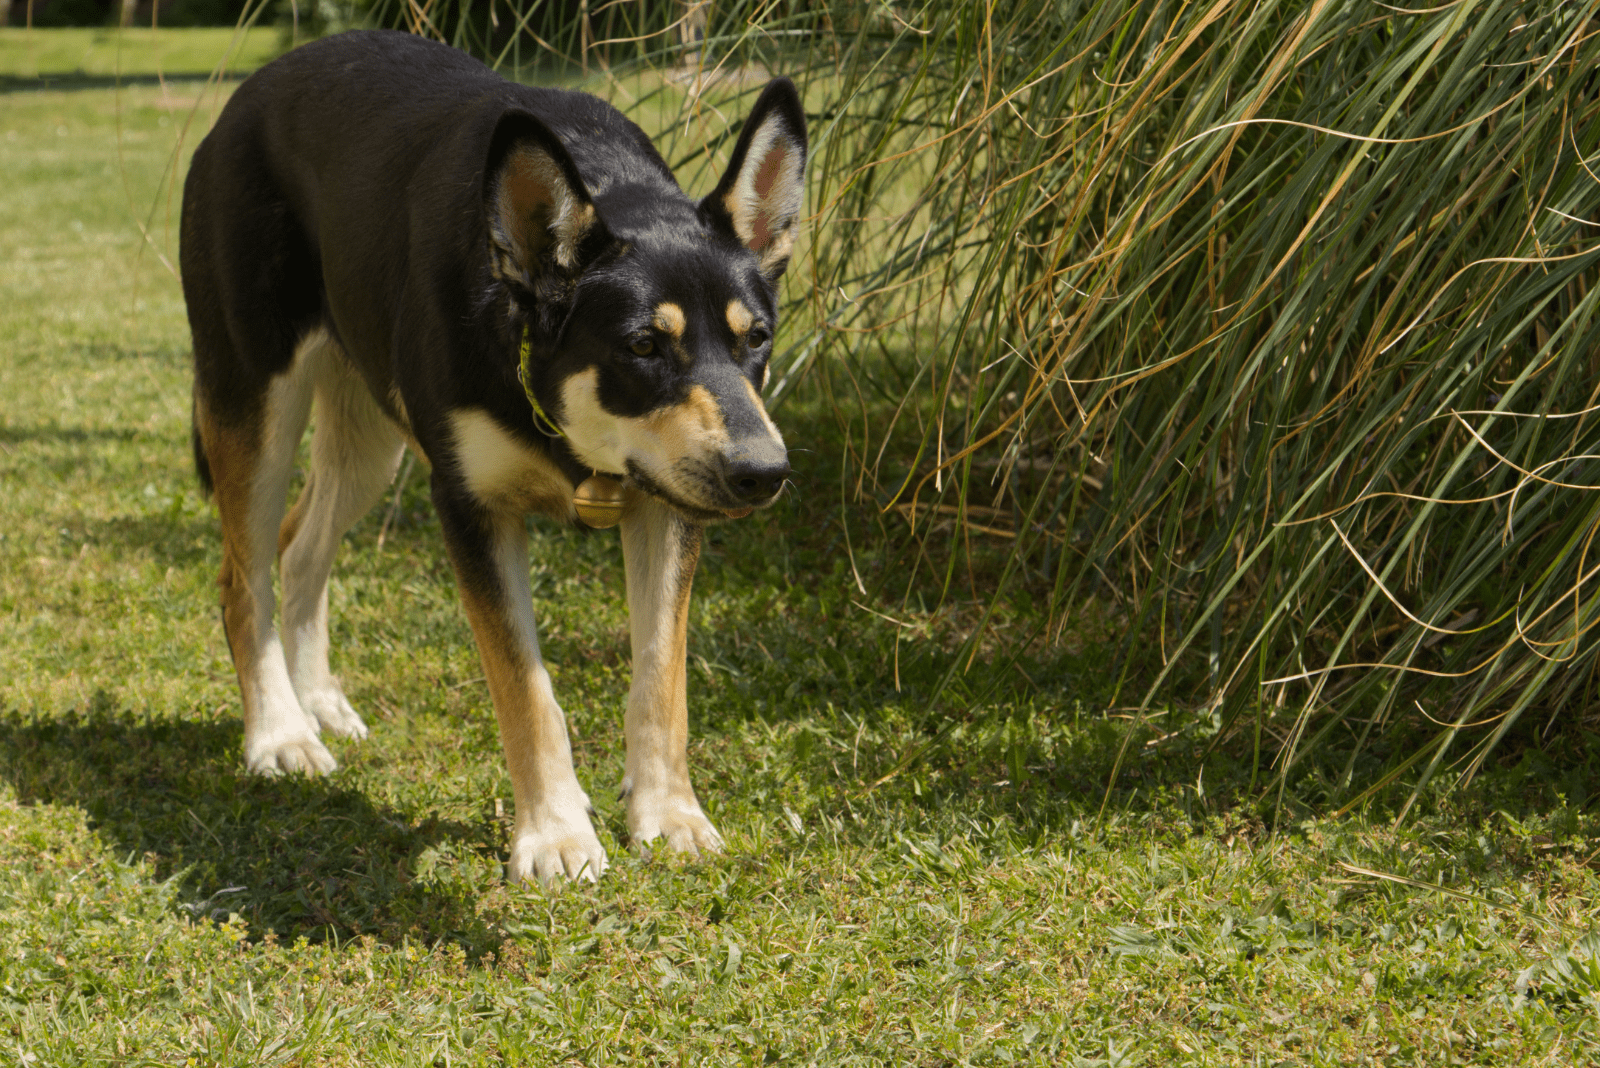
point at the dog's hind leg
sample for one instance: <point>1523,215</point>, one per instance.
<point>660,551</point>
<point>552,835</point>
<point>250,461</point>
<point>355,450</point>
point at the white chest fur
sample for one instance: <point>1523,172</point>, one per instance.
<point>502,472</point>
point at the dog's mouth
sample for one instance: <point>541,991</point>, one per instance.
<point>708,508</point>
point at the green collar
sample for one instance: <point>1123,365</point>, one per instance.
<point>523,375</point>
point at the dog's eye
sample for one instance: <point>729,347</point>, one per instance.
<point>643,347</point>
<point>757,337</point>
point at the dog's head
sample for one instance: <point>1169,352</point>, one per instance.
<point>651,318</point>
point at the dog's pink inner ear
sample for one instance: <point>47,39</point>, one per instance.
<point>764,201</point>
<point>763,222</point>
<point>539,210</point>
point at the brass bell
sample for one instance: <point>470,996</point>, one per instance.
<point>599,501</point>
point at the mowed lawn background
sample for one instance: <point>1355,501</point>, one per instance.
<point>902,884</point>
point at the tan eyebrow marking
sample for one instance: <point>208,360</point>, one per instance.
<point>740,319</point>
<point>669,319</point>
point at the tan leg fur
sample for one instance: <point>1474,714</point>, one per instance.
<point>660,550</point>
<point>552,835</point>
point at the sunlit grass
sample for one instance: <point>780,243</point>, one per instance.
<point>133,52</point>
<point>917,874</point>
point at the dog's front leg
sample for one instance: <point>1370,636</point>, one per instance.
<point>660,550</point>
<point>552,835</point>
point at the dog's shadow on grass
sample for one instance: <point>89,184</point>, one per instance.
<point>297,856</point>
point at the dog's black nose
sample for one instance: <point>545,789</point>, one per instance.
<point>753,478</point>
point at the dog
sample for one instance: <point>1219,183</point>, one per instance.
<point>508,280</point>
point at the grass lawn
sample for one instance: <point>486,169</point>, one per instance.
<point>96,55</point>
<point>969,905</point>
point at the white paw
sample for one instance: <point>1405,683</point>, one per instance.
<point>328,707</point>
<point>557,845</point>
<point>677,819</point>
<point>275,754</point>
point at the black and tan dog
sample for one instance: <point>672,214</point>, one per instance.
<point>381,231</point>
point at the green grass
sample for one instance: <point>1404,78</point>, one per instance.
<point>157,906</point>
<point>59,54</point>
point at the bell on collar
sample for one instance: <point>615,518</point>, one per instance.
<point>599,501</point>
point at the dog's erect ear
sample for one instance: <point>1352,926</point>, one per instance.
<point>759,199</point>
<point>539,211</point>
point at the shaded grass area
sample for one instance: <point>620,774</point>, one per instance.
<point>922,885</point>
